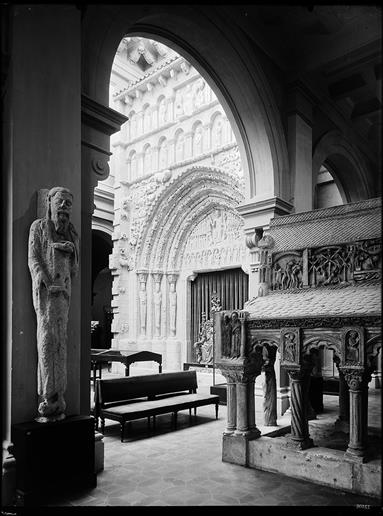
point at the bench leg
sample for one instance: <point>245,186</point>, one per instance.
<point>216,411</point>
<point>122,431</point>
<point>195,411</point>
<point>190,412</point>
<point>102,426</point>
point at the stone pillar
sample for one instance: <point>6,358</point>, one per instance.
<point>231,403</point>
<point>270,387</point>
<point>257,215</point>
<point>300,102</point>
<point>298,403</point>
<point>358,388</point>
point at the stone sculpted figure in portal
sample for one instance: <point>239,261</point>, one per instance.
<point>53,252</point>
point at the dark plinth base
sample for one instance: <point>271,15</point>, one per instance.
<point>221,390</point>
<point>53,457</point>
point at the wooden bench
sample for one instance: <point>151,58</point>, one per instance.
<point>135,397</point>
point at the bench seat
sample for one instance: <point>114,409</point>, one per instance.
<point>113,399</point>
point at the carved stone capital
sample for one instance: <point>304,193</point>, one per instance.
<point>298,375</point>
<point>142,275</point>
<point>237,373</point>
<point>172,276</point>
<point>356,378</point>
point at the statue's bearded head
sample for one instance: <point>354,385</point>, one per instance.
<point>60,208</point>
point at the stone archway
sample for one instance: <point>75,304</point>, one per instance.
<point>204,39</point>
<point>351,173</point>
<point>150,262</point>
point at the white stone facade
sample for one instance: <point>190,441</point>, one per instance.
<point>177,180</point>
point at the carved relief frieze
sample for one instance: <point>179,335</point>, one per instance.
<point>287,270</point>
<point>346,263</point>
<point>314,322</point>
<point>230,160</point>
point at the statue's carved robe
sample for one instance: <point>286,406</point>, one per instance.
<point>48,257</point>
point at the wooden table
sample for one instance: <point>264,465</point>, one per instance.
<point>102,356</point>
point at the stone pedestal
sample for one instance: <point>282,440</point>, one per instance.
<point>53,456</point>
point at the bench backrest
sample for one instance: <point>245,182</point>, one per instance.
<point>127,388</point>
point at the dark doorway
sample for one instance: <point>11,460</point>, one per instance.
<point>101,291</point>
<point>232,289</point>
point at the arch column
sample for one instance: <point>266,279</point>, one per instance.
<point>98,124</point>
<point>299,403</point>
<point>357,380</point>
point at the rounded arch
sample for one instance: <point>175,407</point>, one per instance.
<point>205,39</point>
<point>189,197</point>
<point>326,342</point>
<point>347,166</point>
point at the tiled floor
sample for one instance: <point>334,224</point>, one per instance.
<point>185,468</point>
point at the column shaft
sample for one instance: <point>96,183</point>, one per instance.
<point>231,408</point>
<point>242,419</point>
<point>358,422</point>
<point>299,425</point>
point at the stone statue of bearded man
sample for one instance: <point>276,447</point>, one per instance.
<point>53,253</point>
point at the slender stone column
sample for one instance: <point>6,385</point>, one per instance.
<point>251,409</point>
<point>231,402</point>
<point>242,416</point>
<point>358,385</point>
<point>270,387</point>
<point>299,425</point>
<point>344,399</point>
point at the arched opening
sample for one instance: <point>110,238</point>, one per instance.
<point>101,291</point>
<point>327,193</point>
<point>349,170</point>
<point>181,183</point>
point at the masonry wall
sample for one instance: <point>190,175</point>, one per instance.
<point>45,145</point>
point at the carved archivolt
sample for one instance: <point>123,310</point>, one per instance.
<point>164,210</point>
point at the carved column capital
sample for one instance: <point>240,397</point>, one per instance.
<point>236,373</point>
<point>172,276</point>
<point>356,379</point>
<point>142,275</point>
